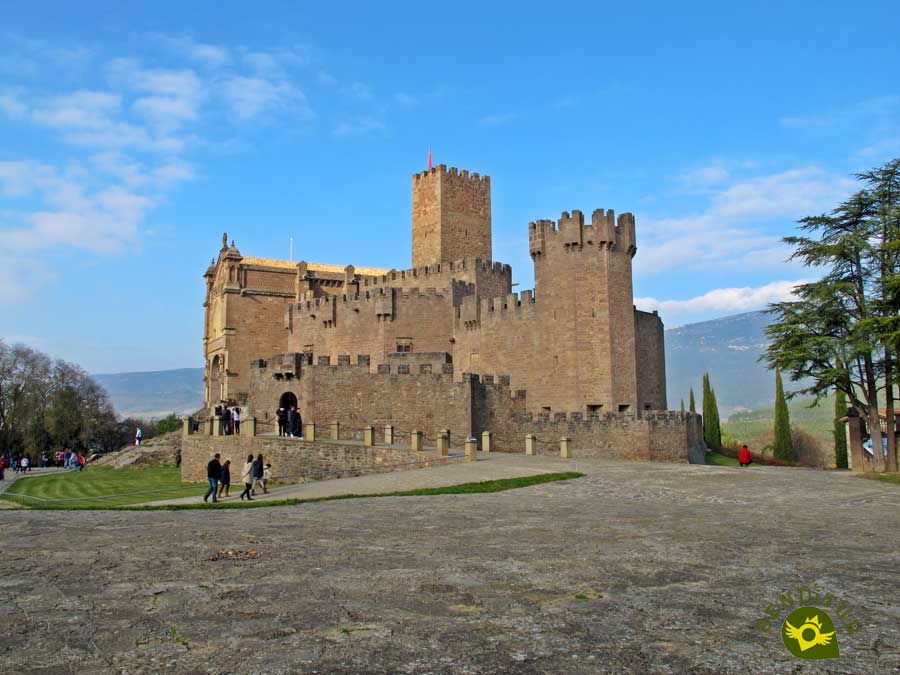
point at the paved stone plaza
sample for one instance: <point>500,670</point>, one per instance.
<point>635,568</point>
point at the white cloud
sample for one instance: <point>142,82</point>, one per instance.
<point>360,127</point>
<point>406,99</point>
<point>251,96</point>
<point>721,301</point>
<point>706,176</point>
<point>498,119</point>
<point>730,230</point>
<point>358,91</point>
<point>210,55</point>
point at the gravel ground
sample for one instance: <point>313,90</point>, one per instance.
<point>635,568</point>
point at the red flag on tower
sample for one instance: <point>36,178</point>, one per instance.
<point>429,159</point>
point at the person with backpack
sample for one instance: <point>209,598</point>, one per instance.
<point>258,470</point>
<point>247,478</point>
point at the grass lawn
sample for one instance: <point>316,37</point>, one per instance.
<point>886,477</point>
<point>134,503</point>
<point>83,488</point>
<point>716,459</point>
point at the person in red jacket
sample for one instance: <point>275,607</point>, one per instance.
<point>744,456</point>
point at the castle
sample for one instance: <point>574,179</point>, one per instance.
<point>276,331</point>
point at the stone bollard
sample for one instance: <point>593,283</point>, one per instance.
<point>564,451</point>
<point>309,431</point>
<point>217,425</point>
<point>415,441</point>
<point>186,426</point>
<point>486,441</point>
<point>529,444</point>
<point>471,449</point>
<point>335,431</point>
<point>443,443</point>
<point>248,427</point>
<point>369,436</point>
<point>388,434</point>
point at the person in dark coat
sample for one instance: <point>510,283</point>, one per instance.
<point>744,456</point>
<point>291,422</point>
<point>281,416</point>
<point>213,473</point>
<point>258,471</point>
<point>298,424</point>
<point>225,480</point>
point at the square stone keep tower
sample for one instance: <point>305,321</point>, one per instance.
<point>451,216</point>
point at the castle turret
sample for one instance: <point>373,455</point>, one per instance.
<point>451,216</point>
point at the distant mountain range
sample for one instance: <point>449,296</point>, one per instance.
<point>156,393</point>
<point>728,348</point>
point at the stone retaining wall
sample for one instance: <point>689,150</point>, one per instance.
<point>300,460</point>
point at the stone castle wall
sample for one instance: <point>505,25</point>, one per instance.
<point>297,460</point>
<point>430,401</point>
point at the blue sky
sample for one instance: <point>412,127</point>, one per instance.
<point>134,134</point>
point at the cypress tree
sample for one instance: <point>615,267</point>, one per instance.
<point>840,435</point>
<point>682,405</point>
<point>715,426</point>
<point>784,445</point>
<point>693,407</point>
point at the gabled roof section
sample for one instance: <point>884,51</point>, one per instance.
<point>312,267</point>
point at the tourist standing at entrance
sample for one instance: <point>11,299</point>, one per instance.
<point>236,416</point>
<point>213,473</point>
<point>225,480</point>
<point>226,420</point>
<point>291,421</point>
<point>281,416</point>
<point>298,424</point>
<point>744,456</point>
<point>247,478</point>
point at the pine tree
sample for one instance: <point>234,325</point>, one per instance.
<point>784,445</point>
<point>840,434</point>
<point>693,407</point>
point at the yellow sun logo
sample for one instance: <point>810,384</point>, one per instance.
<point>811,635</point>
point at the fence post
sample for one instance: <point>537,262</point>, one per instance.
<point>415,441</point>
<point>335,431</point>
<point>471,449</point>
<point>564,451</point>
<point>529,444</point>
<point>309,433</point>
<point>485,441</point>
<point>388,434</point>
<point>443,443</point>
<point>248,427</point>
<point>369,436</point>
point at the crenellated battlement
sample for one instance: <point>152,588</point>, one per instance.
<point>604,231</point>
<point>462,176</point>
<point>474,311</point>
<point>468,268</point>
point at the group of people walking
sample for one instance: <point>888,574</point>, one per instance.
<point>255,474</point>
<point>23,464</point>
<point>289,422</point>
